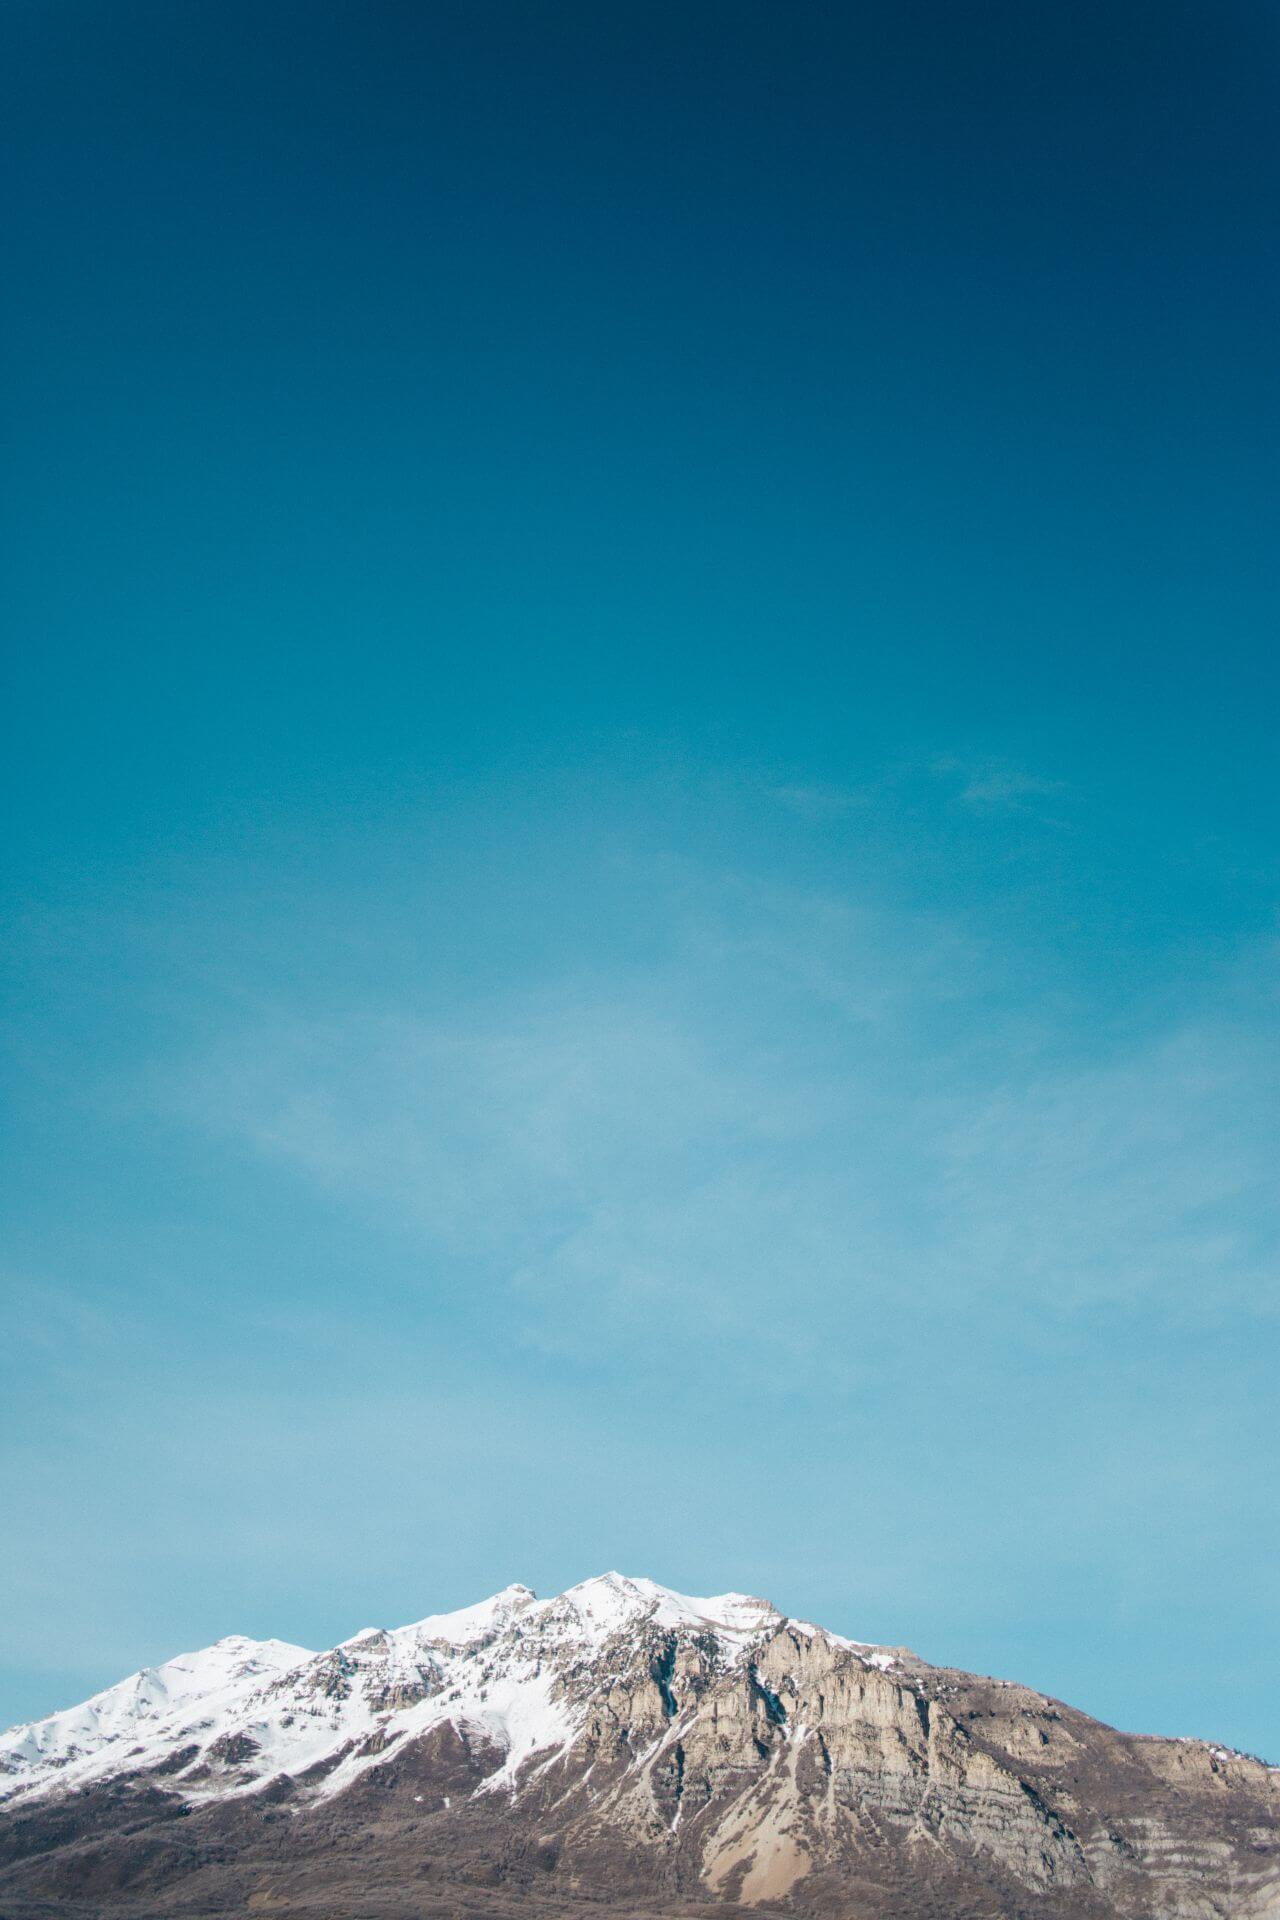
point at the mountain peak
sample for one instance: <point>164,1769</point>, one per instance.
<point>491,1666</point>
<point>648,1739</point>
<point>613,1598</point>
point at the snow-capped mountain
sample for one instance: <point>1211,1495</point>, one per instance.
<point>253,1709</point>
<point>617,1741</point>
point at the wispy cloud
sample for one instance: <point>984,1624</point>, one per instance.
<point>1145,1177</point>
<point>817,803</point>
<point>50,1322</point>
<point>802,1103</point>
<point>995,786</point>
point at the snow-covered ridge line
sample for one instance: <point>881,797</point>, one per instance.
<point>508,1679</point>
<point>244,1711</point>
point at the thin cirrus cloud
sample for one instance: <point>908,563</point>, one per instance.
<point>792,1100</point>
<point>994,786</point>
<point>977,785</point>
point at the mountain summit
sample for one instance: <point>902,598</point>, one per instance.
<point>620,1747</point>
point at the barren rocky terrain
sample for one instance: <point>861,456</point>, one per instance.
<point>624,1750</point>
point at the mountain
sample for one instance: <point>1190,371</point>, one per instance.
<point>624,1750</point>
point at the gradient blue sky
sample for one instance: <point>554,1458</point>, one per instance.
<point>641,862</point>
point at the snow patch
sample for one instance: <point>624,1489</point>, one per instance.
<point>251,1710</point>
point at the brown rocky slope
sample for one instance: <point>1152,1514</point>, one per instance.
<point>624,1750</point>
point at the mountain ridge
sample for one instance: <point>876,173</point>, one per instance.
<point>53,1748</point>
<point>618,1741</point>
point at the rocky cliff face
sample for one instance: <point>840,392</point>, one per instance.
<point>625,1748</point>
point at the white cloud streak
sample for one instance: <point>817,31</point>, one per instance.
<point>802,1104</point>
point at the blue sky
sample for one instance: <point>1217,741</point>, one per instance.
<point>641,872</point>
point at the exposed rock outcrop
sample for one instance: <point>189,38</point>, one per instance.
<point>626,1748</point>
